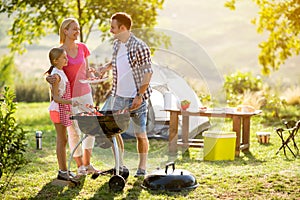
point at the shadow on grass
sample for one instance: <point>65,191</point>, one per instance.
<point>246,158</point>
<point>53,191</point>
<point>135,191</point>
<point>104,192</point>
<point>181,193</point>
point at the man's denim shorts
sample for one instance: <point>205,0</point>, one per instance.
<point>140,115</point>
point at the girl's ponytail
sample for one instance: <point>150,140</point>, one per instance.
<point>48,72</point>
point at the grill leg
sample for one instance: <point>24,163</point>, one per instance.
<point>118,155</point>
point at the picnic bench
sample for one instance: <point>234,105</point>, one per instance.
<point>240,125</point>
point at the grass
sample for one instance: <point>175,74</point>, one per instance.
<point>259,174</point>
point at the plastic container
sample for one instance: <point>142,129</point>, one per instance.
<point>219,145</point>
<point>263,137</point>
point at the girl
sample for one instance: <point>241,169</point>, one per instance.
<point>60,107</point>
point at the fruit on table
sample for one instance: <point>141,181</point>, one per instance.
<point>185,104</point>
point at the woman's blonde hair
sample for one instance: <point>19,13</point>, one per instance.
<point>65,25</point>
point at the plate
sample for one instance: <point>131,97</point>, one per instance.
<point>249,113</point>
<point>95,80</point>
<point>202,109</point>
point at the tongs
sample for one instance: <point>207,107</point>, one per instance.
<point>86,108</point>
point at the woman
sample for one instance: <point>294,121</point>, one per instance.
<point>76,70</point>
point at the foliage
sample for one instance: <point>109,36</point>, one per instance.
<point>32,90</point>
<point>274,106</point>
<point>281,20</point>
<point>292,95</point>
<point>205,99</point>
<point>277,108</point>
<point>7,71</point>
<point>244,88</point>
<point>255,99</point>
<point>35,19</point>
<point>12,139</point>
<point>237,84</point>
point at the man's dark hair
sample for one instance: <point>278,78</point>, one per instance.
<point>122,19</point>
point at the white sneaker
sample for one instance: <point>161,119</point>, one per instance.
<point>90,169</point>
<point>81,171</point>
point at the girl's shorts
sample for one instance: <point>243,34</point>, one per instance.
<point>54,116</point>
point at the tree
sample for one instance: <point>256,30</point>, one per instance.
<point>281,20</point>
<point>33,19</point>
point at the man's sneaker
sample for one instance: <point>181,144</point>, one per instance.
<point>90,169</point>
<point>63,175</point>
<point>81,171</point>
<point>140,172</point>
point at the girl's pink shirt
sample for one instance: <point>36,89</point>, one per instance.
<point>76,70</point>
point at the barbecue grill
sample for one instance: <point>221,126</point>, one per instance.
<point>106,127</point>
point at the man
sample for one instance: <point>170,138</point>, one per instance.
<point>131,65</point>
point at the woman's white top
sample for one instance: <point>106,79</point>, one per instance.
<point>61,87</point>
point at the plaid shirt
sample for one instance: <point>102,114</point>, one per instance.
<point>139,57</point>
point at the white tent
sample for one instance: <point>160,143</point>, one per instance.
<point>165,80</point>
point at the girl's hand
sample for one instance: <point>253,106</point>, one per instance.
<point>75,103</point>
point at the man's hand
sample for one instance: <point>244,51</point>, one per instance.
<point>136,103</point>
<point>105,68</point>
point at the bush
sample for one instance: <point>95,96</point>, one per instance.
<point>292,95</point>
<point>237,84</point>
<point>7,71</point>
<point>12,139</point>
<point>32,90</point>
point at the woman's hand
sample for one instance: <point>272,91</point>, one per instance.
<point>91,72</point>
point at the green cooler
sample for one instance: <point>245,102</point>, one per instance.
<point>219,145</point>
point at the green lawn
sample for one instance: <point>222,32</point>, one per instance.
<point>259,174</point>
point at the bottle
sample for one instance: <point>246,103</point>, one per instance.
<point>38,137</point>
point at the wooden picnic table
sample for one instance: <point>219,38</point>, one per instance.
<point>240,125</point>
